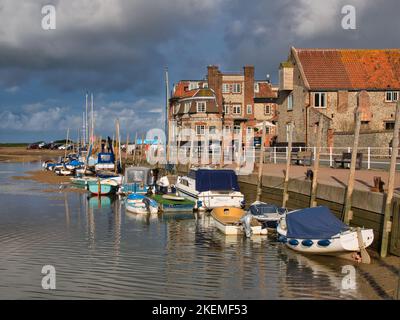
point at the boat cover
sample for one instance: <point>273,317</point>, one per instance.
<point>313,223</point>
<point>263,209</point>
<point>216,180</point>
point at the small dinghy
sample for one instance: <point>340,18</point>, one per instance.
<point>172,203</point>
<point>316,230</point>
<point>138,203</point>
<point>234,221</point>
<point>266,213</point>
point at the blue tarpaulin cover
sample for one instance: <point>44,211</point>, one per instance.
<point>104,157</point>
<point>313,223</point>
<point>216,180</point>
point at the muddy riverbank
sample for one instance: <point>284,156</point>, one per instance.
<point>21,154</point>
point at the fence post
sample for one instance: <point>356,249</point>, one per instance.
<point>275,155</point>
<point>314,153</point>
<point>330,157</point>
<point>369,158</point>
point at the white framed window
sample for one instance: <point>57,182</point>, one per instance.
<point>392,96</point>
<point>236,129</point>
<point>290,102</point>
<point>249,130</point>
<point>187,107</point>
<point>319,100</point>
<point>227,129</point>
<point>226,109</point>
<point>212,129</point>
<point>226,88</point>
<point>267,109</point>
<point>267,130</point>
<point>249,109</point>
<point>200,130</point>
<point>237,109</point>
<point>256,87</point>
<point>236,88</point>
<point>201,106</point>
<point>193,85</point>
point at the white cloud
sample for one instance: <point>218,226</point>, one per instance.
<point>13,89</point>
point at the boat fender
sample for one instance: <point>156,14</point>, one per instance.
<point>293,242</point>
<point>243,203</point>
<point>199,204</point>
<point>282,239</point>
<point>324,243</point>
<point>307,243</point>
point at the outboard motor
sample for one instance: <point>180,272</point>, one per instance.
<point>246,223</point>
<point>146,202</point>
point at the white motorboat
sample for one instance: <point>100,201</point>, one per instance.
<point>316,230</point>
<point>211,188</point>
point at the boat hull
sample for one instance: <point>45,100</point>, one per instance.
<point>134,204</point>
<point>344,242</point>
<point>227,220</point>
<point>102,188</point>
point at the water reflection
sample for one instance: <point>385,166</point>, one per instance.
<point>101,251</point>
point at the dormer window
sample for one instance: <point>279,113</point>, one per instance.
<point>225,88</point>
<point>201,107</point>
<point>236,88</point>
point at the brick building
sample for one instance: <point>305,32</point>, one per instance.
<point>223,102</point>
<point>328,81</point>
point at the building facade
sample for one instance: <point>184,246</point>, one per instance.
<point>333,82</point>
<point>234,104</point>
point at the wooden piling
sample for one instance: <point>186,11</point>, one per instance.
<point>289,155</point>
<point>392,176</point>
<point>313,202</point>
<point>348,213</point>
<point>261,164</point>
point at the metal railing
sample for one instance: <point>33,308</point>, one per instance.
<point>372,157</point>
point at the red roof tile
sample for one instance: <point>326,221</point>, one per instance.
<point>351,68</point>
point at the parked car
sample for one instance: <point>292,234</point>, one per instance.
<point>33,146</point>
<point>41,145</point>
<point>66,147</point>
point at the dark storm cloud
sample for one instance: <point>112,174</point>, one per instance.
<point>110,45</point>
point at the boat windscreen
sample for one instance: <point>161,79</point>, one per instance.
<point>216,180</point>
<point>261,209</point>
<point>133,176</point>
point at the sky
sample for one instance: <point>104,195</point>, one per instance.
<point>118,50</point>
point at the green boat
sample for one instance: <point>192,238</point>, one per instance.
<point>169,203</point>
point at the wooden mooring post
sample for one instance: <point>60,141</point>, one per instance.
<point>392,177</point>
<point>313,202</point>
<point>348,213</point>
<point>289,155</point>
<point>260,165</point>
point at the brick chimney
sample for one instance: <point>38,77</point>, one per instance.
<point>248,89</point>
<point>214,77</point>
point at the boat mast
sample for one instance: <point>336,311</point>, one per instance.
<point>92,107</point>
<point>166,113</point>
<point>86,121</point>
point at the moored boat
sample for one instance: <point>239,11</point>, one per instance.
<point>170,203</point>
<point>230,221</point>
<point>266,213</point>
<point>136,180</point>
<point>317,231</point>
<point>211,188</point>
<point>102,187</point>
<point>138,203</point>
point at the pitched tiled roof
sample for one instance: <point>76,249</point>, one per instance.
<point>351,68</point>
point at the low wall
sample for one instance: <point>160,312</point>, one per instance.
<point>373,139</point>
